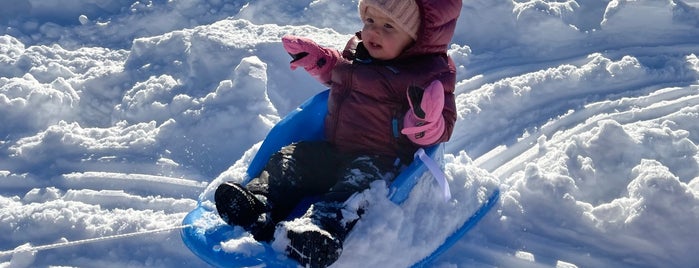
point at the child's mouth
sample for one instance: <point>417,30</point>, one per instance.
<point>374,45</point>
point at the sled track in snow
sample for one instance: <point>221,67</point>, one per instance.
<point>137,183</point>
<point>141,191</point>
<point>543,115</point>
<point>503,162</point>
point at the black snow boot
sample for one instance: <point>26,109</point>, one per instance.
<point>313,248</point>
<point>238,206</point>
<point>315,239</point>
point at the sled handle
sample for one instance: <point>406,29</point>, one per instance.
<point>436,171</point>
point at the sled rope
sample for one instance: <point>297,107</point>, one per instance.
<point>437,172</point>
<point>90,240</point>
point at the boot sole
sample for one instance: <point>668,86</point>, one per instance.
<point>313,248</point>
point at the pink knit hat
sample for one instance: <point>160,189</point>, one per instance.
<point>404,12</point>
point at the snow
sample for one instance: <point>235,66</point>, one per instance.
<point>117,115</point>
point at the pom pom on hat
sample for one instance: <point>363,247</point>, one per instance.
<point>404,12</point>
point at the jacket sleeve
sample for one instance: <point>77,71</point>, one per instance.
<point>449,114</point>
<point>344,56</point>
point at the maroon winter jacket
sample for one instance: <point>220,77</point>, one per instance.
<point>368,97</point>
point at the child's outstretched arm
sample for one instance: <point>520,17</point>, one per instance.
<point>424,124</point>
<point>316,60</point>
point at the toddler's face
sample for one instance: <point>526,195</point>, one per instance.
<point>381,37</point>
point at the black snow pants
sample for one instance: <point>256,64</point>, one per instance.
<point>316,169</point>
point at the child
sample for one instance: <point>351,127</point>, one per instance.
<point>391,92</point>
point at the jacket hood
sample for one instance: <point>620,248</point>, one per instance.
<point>437,25</point>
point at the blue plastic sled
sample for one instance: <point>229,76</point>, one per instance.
<point>305,123</point>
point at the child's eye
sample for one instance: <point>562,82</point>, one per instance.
<point>388,26</point>
<point>369,20</point>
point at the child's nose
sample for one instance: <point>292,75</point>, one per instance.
<point>372,30</point>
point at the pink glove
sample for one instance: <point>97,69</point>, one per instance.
<point>318,61</point>
<point>424,124</point>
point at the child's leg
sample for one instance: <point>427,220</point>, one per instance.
<point>294,172</point>
<point>297,171</point>
<point>357,175</point>
<point>316,238</point>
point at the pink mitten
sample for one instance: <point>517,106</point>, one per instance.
<point>316,60</point>
<point>424,123</point>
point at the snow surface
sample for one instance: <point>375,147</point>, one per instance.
<point>116,115</point>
